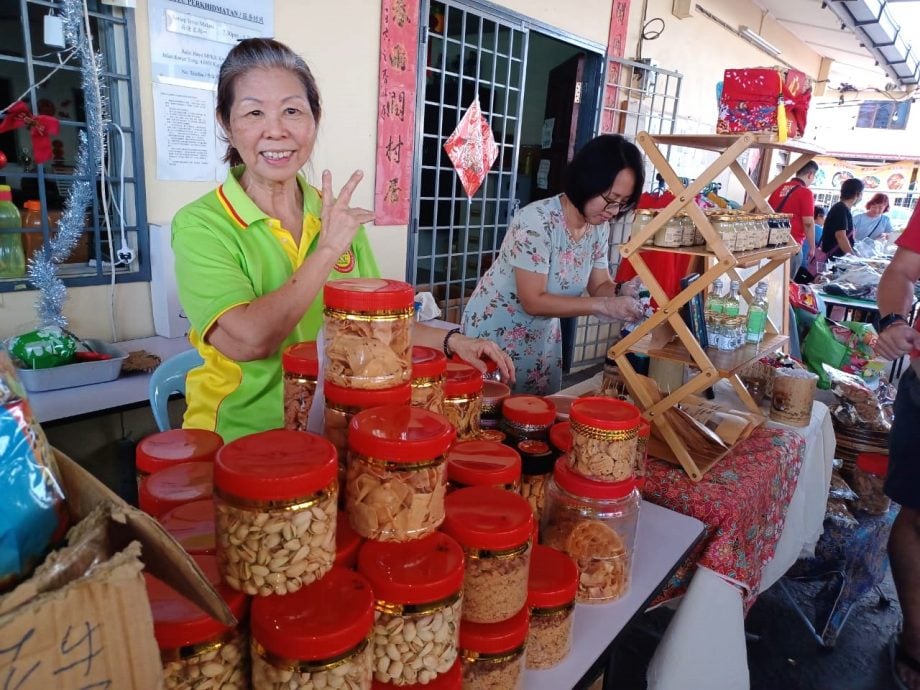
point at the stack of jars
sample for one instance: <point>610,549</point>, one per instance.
<point>429,373</point>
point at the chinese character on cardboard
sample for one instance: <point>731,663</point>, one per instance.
<point>472,149</point>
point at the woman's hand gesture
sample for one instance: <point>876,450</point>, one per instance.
<point>340,221</point>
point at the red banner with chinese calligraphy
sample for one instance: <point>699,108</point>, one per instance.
<point>396,110</point>
<point>616,48</point>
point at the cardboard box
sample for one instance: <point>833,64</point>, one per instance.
<point>77,623</point>
<point>750,100</point>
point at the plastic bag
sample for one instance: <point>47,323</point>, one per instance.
<point>860,405</point>
<point>847,346</point>
<point>839,515</point>
<point>840,490</point>
<point>804,297</point>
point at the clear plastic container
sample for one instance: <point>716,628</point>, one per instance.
<point>300,363</point>
<point>417,586</point>
<point>12,256</point>
<point>595,524</point>
<point>527,418</point>
<point>275,499</point>
<point>494,394</point>
<point>671,234</point>
<point>604,433</point>
<point>867,479</point>
<point>167,448</point>
<point>347,542</point>
<point>429,372</point>
<point>367,324</point>
<point>537,460</point>
<point>463,399</point>
<point>494,527</point>
<point>172,486</point>
<point>492,654</point>
<point>397,473</point>
<point>315,639</point>
<point>192,525</point>
<point>483,463</point>
<point>643,217</point>
<point>551,594</point>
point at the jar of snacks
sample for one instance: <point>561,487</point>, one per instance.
<point>275,500</point>
<point>560,437</point>
<point>483,463</point>
<point>612,383</point>
<point>604,433</point>
<point>347,542</point>
<point>494,527</point>
<point>726,229</point>
<point>463,399</point>
<point>688,229</point>
<point>366,325</point>
<point>492,654</point>
<point>493,435</point>
<point>196,650</point>
<point>671,234</point>
<point>867,479</point>
<point>167,448</point>
<point>639,466</point>
<point>397,474</point>
<point>300,363</point>
<point>494,394</point>
<point>417,589</point>
<point>172,486</point>
<point>537,460</point>
<point>642,218</point>
<point>192,525</point>
<point>452,680</point>
<point>551,599</point>
<point>594,522</point>
<point>429,369</point>
<point>315,638</point>
<point>527,418</point>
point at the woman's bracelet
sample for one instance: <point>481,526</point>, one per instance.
<point>447,351</point>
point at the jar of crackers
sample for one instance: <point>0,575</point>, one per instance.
<point>317,638</point>
<point>594,522</point>
<point>527,418</point>
<point>367,323</point>
<point>492,654</point>
<point>463,399</point>
<point>604,437</point>
<point>429,369</point>
<point>397,473</point>
<point>300,363</point>
<point>483,463</point>
<point>639,466</point>
<point>172,486</point>
<point>167,448</point>
<point>494,527</point>
<point>417,588</point>
<point>494,394</point>
<point>347,542</point>
<point>537,460</point>
<point>192,525</point>
<point>275,501</point>
<point>551,598</point>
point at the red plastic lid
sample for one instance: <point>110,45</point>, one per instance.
<point>323,620</point>
<point>400,434</point>
<point>529,409</point>
<point>427,362</point>
<point>368,294</point>
<point>279,464</point>
<point>172,486</point>
<point>491,364</point>
<point>32,205</point>
<point>873,463</point>
<point>450,680</point>
<point>483,463</point>
<point>356,397</point>
<point>553,578</point>
<point>347,542</point>
<point>577,485</point>
<point>166,448</point>
<point>192,525</point>
<point>495,638</point>
<point>462,379</point>
<point>494,391</point>
<point>645,427</point>
<point>413,572</point>
<point>560,435</point>
<point>605,413</point>
<point>301,358</point>
<point>483,517</point>
<point>177,622</point>
<point>492,435</point>
<point>6,194</point>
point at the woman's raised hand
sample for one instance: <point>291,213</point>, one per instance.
<point>340,220</point>
<point>617,309</point>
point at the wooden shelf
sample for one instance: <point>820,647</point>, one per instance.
<point>720,142</point>
<point>742,259</point>
<point>726,363</point>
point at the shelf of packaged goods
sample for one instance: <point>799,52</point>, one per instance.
<point>725,362</point>
<point>720,142</point>
<point>742,259</point>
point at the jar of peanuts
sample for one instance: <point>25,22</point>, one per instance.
<point>166,448</point>
<point>594,522</point>
<point>275,501</point>
<point>483,463</point>
<point>493,395</point>
<point>463,399</point>
<point>537,460</point>
<point>347,542</point>
<point>192,525</point>
<point>604,437</point>
<point>417,588</point>
<point>560,437</point>
<point>196,650</point>
<point>428,375</point>
<point>527,418</point>
<point>452,680</point>
<point>494,527</point>
<point>397,474</point>
<point>172,486</point>
<point>492,654</point>
<point>366,325</point>
<point>551,598</point>
<point>300,363</point>
<point>315,638</point>
<point>639,466</point>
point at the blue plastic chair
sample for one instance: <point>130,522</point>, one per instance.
<point>169,378</point>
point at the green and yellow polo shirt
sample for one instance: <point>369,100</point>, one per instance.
<point>229,252</point>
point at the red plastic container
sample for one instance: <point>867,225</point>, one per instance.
<point>551,594</point>
<point>493,653</point>
<point>166,448</point>
<point>192,525</point>
<point>173,486</point>
<point>483,463</point>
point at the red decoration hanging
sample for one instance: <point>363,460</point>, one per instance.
<point>472,149</point>
<point>41,129</point>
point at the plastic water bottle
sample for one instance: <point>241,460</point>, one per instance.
<point>12,257</point>
<point>731,305</point>
<point>757,315</point>
<point>715,303</point>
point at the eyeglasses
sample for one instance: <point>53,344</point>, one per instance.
<point>617,207</point>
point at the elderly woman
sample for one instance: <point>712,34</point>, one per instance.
<point>555,251</point>
<point>252,256</point>
<point>873,223</point>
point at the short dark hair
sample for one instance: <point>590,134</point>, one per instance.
<point>852,188</point>
<point>260,53</point>
<point>809,167</point>
<point>820,211</point>
<point>595,167</point>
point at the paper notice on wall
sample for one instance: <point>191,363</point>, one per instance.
<point>185,133</point>
<point>546,135</point>
<point>543,174</point>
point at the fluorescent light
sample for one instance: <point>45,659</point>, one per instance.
<point>758,40</point>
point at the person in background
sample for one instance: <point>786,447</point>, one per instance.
<point>873,223</point>
<point>820,215</point>
<point>838,236</point>
<point>555,250</point>
<point>797,199</point>
<point>252,256</point>
<point>898,337</point>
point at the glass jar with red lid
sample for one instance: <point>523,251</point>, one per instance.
<point>495,528</point>
<point>275,500</point>
<point>639,466</point>
<point>537,460</point>
<point>604,438</point>
<point>300,363</point>
<point>166,448</point>
<point>367,327</point>
<point>463,398</point>
<point>452,680</point>
<point>527,418</point>
<point>417,589</point>
<point>192,525</point>
<point>172,486</point>
<point>494,394</point>
<point>429,367</point>
<point>315,638</point>
<point>347,542</point>
<point>397,475</point>
<point>867,479</point>
<point>492,654</point>
<point>195,648</point>
<point>560,437</point>
<point>483,463</point>
<point>551,598</point>
<point>595,523</point>
<point>491,372</point>
<point>492,435</point>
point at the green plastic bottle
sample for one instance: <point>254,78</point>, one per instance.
<point>12,258</point>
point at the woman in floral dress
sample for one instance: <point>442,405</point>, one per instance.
<point>555,251</point>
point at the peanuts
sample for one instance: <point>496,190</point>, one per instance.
<point>549,637</point>
<point>353,673</point>
<point>608,458</point>
<point>464,412</point>
<point>495,587</point>
<point>275,551</point>
<point>224,667</point>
